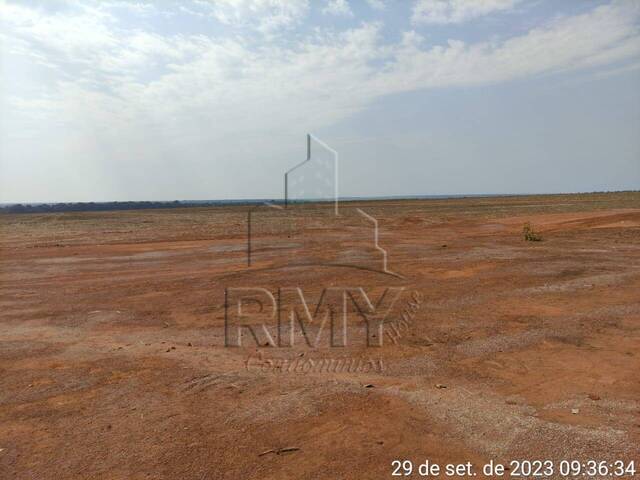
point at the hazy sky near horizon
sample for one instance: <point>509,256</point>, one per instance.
<point>203,99</point>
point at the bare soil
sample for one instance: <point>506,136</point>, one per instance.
<point>113,362</point>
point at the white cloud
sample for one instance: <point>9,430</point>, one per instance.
<point>139,8</point>
<point>266,16</point>
<point>605,35</point>
<point>338,7</point>
<point>346,69</point>
<point>377,4</point>
<point>456,11</point>
<point>114,86</point>
<point>71,34</point>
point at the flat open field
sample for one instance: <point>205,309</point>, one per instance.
<point>113,362</point>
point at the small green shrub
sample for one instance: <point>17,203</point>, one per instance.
<point>529,234</point>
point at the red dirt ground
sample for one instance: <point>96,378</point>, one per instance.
<point>113,363</point>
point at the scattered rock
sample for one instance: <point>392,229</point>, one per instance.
<point>439,385</point>
<point>279,451</point>
<point>594,397</point>
<point>189,344</point>
<point>287,449</point>
<point>575,411</point>
<point>369,385</point>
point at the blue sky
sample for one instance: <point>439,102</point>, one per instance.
<point>199,99</point>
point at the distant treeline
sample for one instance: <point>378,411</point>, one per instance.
<point>103,206</point>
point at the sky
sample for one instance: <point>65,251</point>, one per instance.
<point>203,99</point>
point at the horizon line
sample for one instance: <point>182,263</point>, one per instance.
<point>318,200</point>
